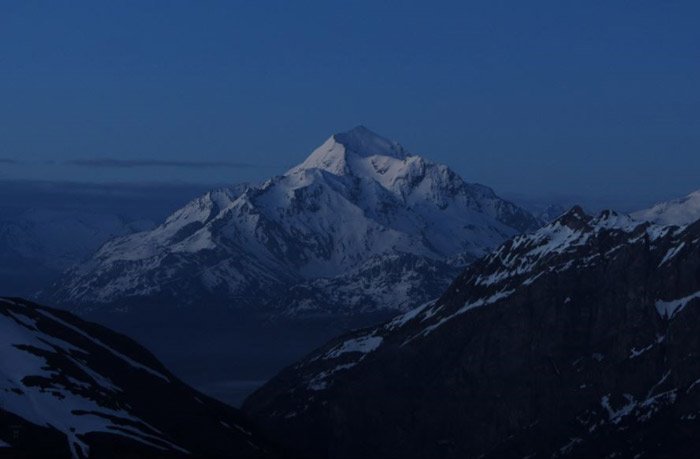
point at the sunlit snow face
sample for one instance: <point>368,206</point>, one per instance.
<point>356,198</point>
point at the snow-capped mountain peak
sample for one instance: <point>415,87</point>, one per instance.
<point>338,152</point>
<point>357,197</point>
<point>676,212</point>
<point>363,142</point>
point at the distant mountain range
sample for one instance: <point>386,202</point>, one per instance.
<point>74,389</point>
<point>578,340</point>
<point>37,245</point>
<point>361,225</point>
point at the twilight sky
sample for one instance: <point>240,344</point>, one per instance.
<point>590,98</point>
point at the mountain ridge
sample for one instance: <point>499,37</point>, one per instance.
<point>574,341</point>
<point>38,244</point>
<point>345,204</point>
<point>681,211</point>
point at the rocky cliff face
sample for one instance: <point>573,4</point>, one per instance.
<point>579,340</point>
<point>70,388</point>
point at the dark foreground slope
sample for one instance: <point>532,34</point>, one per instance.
<point>70,388</point>
<point>582,339</point>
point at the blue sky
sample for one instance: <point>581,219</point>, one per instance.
<point>590,98</point>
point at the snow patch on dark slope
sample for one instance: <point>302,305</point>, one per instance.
<point>69,388</point>
<point>357,201</point>
<point>577,340</point>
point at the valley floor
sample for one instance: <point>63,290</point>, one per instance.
<point>224,353</point>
